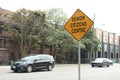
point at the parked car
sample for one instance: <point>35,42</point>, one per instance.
<point>100,62</point>
<point>34,62</point>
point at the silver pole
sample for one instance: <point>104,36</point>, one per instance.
<point>79,61</point>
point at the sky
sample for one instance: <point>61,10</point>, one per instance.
<point>105,13</point>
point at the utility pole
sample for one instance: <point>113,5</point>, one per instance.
<point>92,39</point>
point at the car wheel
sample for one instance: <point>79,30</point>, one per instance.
<point>108,65</point>
<point>15,70</point>
<point>50,68</point>
<point>92,65</point>
<point>29,68</point>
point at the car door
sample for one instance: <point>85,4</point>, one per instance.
<point>105,63</point>
<point>43,62</point>
<point>40,63</point>
<point>36,63</point>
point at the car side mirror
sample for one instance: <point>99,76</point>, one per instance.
<point>35,60</point>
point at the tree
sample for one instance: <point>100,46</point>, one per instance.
<point>23,27</point>
<point>91,43</point>
<point>56,18</point>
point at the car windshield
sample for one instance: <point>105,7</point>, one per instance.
<point>29,58</point>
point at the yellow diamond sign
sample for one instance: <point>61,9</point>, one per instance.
<point>78,25</point>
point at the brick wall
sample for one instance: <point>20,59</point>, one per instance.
<point>4,57</point>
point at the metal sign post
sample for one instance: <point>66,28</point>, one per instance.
<point>79,61</point>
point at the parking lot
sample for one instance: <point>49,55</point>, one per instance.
<point>65,72</point>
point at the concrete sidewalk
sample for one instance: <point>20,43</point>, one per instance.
<point>5,66</point>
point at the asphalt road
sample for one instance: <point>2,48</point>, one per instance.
<point>65,72</point>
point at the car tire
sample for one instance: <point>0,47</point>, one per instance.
<point>50,68</point>
<point>15,70</point>
<point>92,65</point>
<point>29,68</point>
<point>108,65</point>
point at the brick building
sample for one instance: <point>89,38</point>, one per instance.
<point>8,49</point>
<point>109,45</point>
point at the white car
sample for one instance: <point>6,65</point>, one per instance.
<point>100,62</point>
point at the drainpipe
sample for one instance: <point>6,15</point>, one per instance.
<point>109,46</point>
<point>114,46</point>
<point>102,46</point>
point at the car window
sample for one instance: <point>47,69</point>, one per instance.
<point>98,59</point>
<point>45,57</point>
<point>37,57</point>
<point>105,60</point>
<point>28,58</point>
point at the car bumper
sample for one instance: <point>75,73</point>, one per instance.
<point>18,68</point>
<point>97,64</point>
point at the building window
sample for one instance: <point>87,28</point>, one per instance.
<point>99,54</point>
<point>112,48</point>
<point>105,54</point>
<point>117,55</point>
<point>0,14</point>
<point>6,42</point>
<point>112,55</point>
<point>111,41</point>
<point>116,42</point>
<point>105,47</point>
<point>116,48</point>
<point>99,37</point>
<point>1,29</point>
<point>105,39</point>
